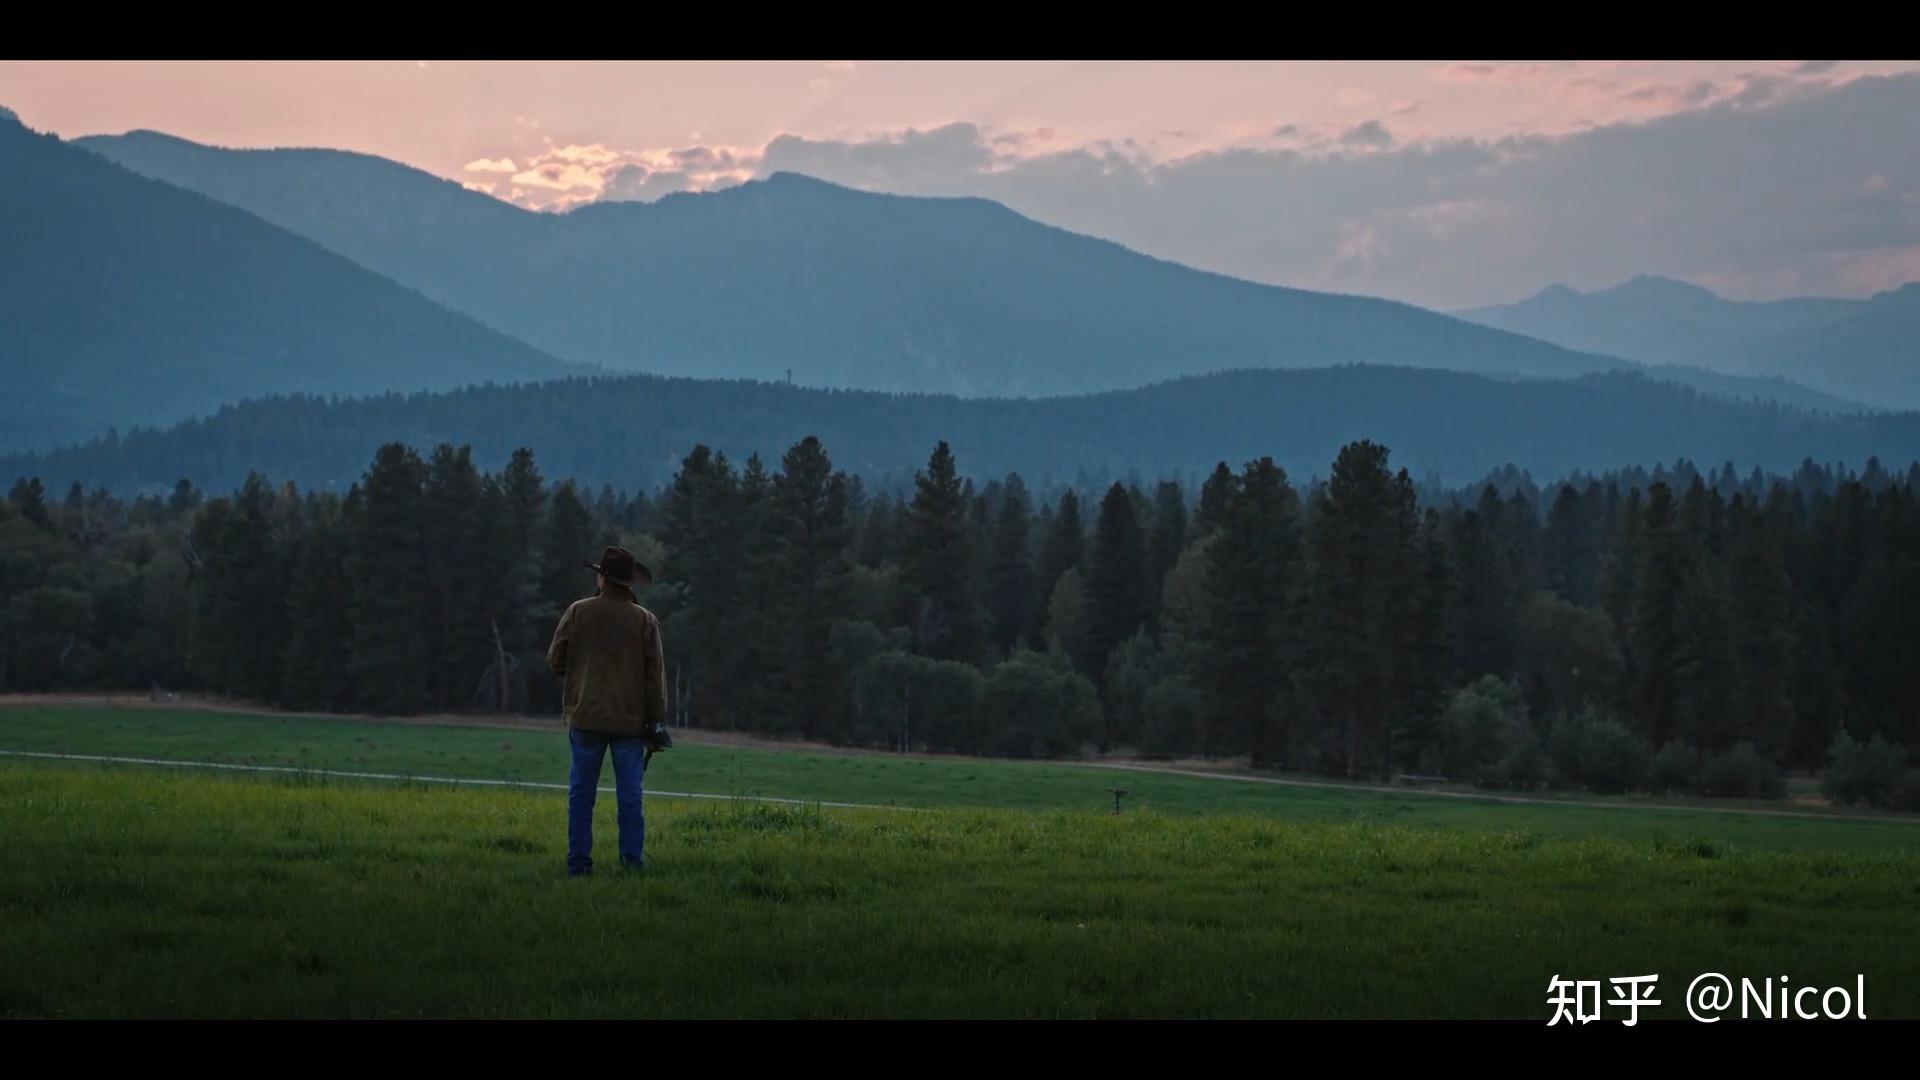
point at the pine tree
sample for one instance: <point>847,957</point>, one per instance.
<point>319,631</point>
<point>389,571</point>
<point>1520,532</point>
<point>1660,576</point>
<point>980,513</point>
<point>1361,578</point>
<point>809,537</point>
<point>567,538</point>
<point>514,509</point>
<point>1427,648</point>
<point>1216,499</point>
<point>275,520</point>
<point>705,567</point>
<point>1485,597</point>
<point>1250,578</point>
<point>1062,549</point>
<point>1570,554</point>
<point>1168,541</point>
<point>1702,520</point>
<point>239,628</point>
<point>1119,600</point>
<point>1619,572</point>
<point>454,535</point>
<point>1762,618</point>
<point>1010,593</point>
<point>938,564</point>
<point>758,679</point>
<point>213,639</point>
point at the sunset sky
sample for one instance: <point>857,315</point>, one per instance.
<point>1441,183</point>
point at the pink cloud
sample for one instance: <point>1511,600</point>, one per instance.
<point>595,154</point>
<point>561,177</point>
<point>1509,72</point>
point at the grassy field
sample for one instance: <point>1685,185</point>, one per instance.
<point>540,756</point>
<point>147,893</point>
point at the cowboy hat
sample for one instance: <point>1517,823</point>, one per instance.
<point>620,567</point>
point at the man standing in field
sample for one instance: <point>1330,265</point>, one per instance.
<point>607,651</point>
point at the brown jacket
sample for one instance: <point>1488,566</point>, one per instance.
<point>607,650</point>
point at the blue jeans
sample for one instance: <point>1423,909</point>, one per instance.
<point>583,784</point>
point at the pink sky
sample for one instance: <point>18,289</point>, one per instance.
<point>446,115</point>
<point>555,134</point>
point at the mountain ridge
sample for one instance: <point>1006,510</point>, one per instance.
<point>128,301</point>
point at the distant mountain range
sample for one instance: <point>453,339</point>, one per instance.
<point>632,431</point>
<point>1864,350</point>
<point>144,280</point>
<point>125,301</point>
<point>844,288</point>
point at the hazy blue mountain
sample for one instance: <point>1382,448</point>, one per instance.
<point>845,288</point>
<point>1655,319</point>
<point>128,301</point>
<point>1872,355</point>
<point>632,431</point>
<point>1755,388</point>
<point>1862,350</point>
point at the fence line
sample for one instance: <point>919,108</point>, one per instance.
<point>453,780</point>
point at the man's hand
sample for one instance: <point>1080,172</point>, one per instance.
<point>557,651</point>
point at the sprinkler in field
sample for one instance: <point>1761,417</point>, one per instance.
<point>1118,794</point>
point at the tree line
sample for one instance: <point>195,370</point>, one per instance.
<point>1672,630</point>
<point>632,431</point>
